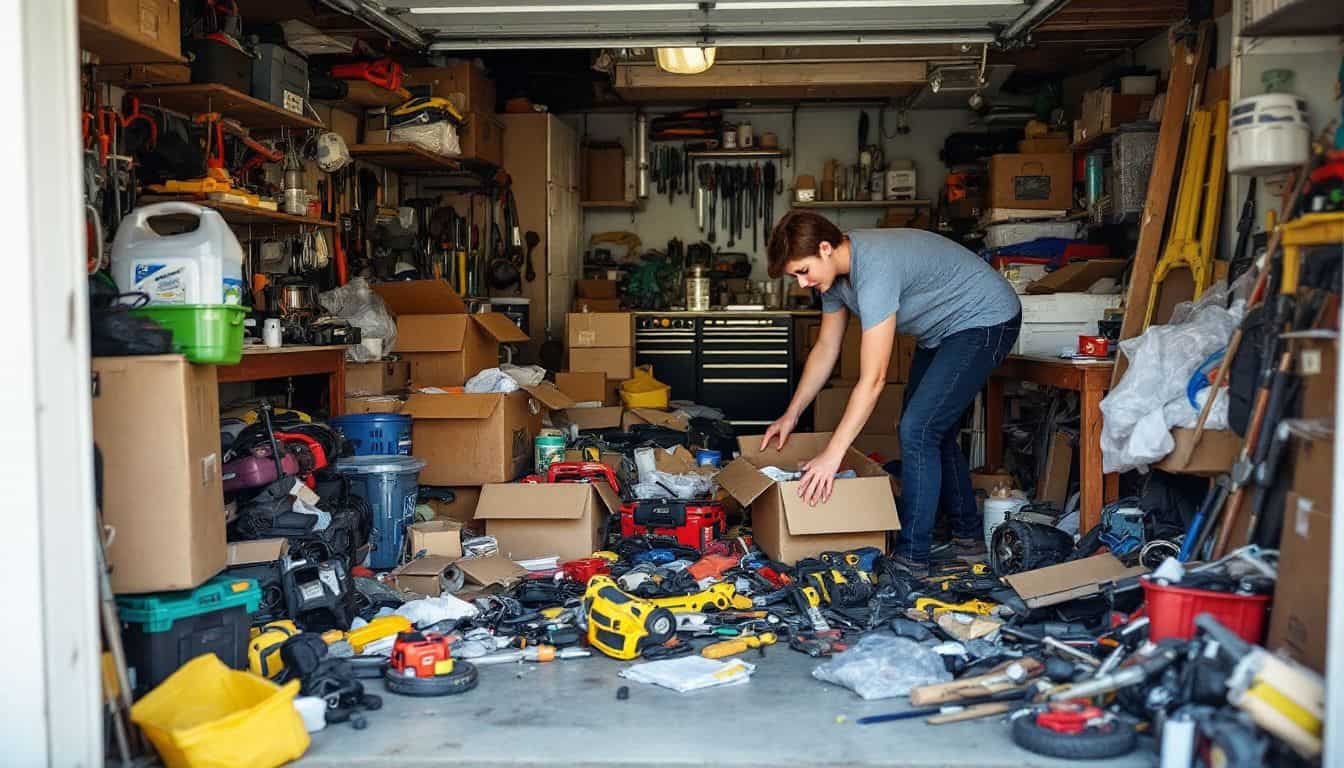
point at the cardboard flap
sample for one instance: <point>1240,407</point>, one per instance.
<point>431,333</point>
<point>743,481</point>
<point>1078,276</point>
<point>550,396</point>
<point>257,551</point>
<point>498,326</point>
<point>430,565</point>
<point>594,418</point>
<point>421,405</point>
<point>1068,581</point>
<point>608,497</point>
<point>800,447</point>
<point>421,297</point>
<point>487,571</point>
<point>669,419</point>
<point>677,461</point>
<point>856,505</point>
<point>533,501</point>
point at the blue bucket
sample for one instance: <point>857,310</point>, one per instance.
<point>390,485</point>
<point>376,434</point>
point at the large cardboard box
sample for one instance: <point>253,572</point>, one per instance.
<point>443,343</point>
<point>902,353</point>
<point>584,305</point>
<point>474,439</point>
<point>483,138</point>
<point>1037,181</point>
<point>462,507</point>
<point>377,378</point>
<point>156,422</point>
<point>585,330</point>
<point>1104,110</point>
<point>1298,623</point>
<point>373,404</point>
<point>155,23</point>
<point>466,85</point>
<point>860,512</point>
<point>604,173</point>
<point>831,402</point>
<point>597,289</point>
<point>583,386</point>
<point>540,519</point>
<point>617,363</point>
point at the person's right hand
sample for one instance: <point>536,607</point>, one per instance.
<point>781,428</point>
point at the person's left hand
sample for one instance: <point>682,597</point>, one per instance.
<point>819,478</point>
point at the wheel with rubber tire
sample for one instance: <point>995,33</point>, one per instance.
<point>460,680</point>
<point>1112,740</point>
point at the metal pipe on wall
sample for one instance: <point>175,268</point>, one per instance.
<point>641,145</point>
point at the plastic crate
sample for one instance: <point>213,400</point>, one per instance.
<point>1172,611</point>
<point>205,333</point>
<point>164,630</point>
<point>376,434</point>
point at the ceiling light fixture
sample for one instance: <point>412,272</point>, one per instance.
<point>684,61</point>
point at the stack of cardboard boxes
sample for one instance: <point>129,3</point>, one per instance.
<point>601,342</point>
<point>879,436</point>
<point>597,296</point>
<point>376,387</point>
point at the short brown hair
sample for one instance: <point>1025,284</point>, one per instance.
<point>799,235</point>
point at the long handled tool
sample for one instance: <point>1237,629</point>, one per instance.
<point>127,737</point>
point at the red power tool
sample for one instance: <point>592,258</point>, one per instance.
<point>422,664</point>
<point>691,523</point>
<point>384,73</point>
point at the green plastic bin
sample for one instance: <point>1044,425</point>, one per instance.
<point>205,333</point>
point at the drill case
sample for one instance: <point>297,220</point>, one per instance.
<point>280,76</point>
<point>692,523</point>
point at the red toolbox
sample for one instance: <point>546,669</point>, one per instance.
<point>691,523</point>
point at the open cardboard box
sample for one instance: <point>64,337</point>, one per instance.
<point>540,519</point>
<point>670,419</point>
<point>436,537</point>
<point>444,344</point>
<point>1196,452</point>
<point>474,439</point>
<point>603,417</point>
<point>860,512</point>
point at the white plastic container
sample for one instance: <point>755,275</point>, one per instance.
<point>996,511</point>
<point>1267,134</point>
<point>1013,233</point>
<point>203,266</point>
<point>1054,321</point>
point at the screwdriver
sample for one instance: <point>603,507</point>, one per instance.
<point>740,645</point>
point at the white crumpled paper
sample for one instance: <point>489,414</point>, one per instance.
<point>690,673</point>
<point>432,610</point>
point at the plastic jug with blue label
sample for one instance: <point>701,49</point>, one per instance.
<point>202,266</point>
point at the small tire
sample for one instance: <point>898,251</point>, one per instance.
<point>1093,744</point>
<point>462,679</point>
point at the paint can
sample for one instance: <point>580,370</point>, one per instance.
<point>548,448</point>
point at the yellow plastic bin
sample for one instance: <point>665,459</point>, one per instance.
<point>644,391</point>
<point>206,715</point>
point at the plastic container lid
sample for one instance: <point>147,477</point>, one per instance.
<point>157,611</point>
<point>372,465</point>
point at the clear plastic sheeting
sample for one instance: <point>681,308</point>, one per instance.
<point>1138,415</point>
<point>883,667</point>
<point>357,303</point>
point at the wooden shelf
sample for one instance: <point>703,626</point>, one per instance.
<point>236,213</point>
<point>861,204</point>
<point>113,46</point>
<point>737,154</point>
<point>613,205</point>
<point>213,97</point>
<point>404,157</point>
<point>1303,18</point>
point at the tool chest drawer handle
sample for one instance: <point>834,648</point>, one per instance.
<point>745,381</point>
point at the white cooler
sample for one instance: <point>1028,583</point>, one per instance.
<point>1052,322</point>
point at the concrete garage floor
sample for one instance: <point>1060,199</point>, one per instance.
<point>566,713</point>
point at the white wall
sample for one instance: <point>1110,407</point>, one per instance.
<point>824,132</point>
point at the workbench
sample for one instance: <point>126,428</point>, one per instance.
<point>260,363</point>
<point>1090,379</point>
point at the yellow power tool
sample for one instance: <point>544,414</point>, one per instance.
<point>718,596</point>
<point>621,625</point>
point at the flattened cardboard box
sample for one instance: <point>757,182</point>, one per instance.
<point>584,330</point>
<point>156,422</point>
<point>860,512</point>
<point>436,537</point>
<point>444,345</point>
<point>583,386</point>
<point>603,417</point>
<point>257,551</point>
<point>669,419</point>
<point>540,519</point>
<point>1069,581</point>
<point>1298,623</point>
<point>474,439</point>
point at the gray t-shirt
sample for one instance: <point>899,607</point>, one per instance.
<point>934,286</point>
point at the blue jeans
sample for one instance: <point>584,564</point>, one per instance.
<point>942,385</point>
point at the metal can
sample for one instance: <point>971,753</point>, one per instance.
<point>548,448</point>
<point>1094,346</point>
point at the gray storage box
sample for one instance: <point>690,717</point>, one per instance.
<point>280,76</point>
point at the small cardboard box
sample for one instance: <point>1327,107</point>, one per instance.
<point>1061,583</point>
<point>155,23</point>
<point>374,404</point>
<point>583,386</point>
<point>540,519</point>
<point>1213,453</point>
<point>604,173</point>
<point>599,329</point>
<point>1043,144</point>
<point>860,512</point>
<point>257,551</point>
<point>447,345</point>
<point>830,409</point>
<point>437,537</point>
<point>462,508</point>
<point>988,481</point>
<point>617,363</point>
<point>1297,625</point>
<point>483,138</point>
<point>1104,110</point>
<point>423,575</point>
<point>597,289</point>
<point>466,85</point>
<point>898,370</point>
<point>474,439</point>
<point>1036,181</point>
<point>377,378</point>
<point>583,305</point>
<point>490,570</point>
<point>156,422</point>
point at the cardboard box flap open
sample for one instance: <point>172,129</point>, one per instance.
<point>1068,581</point>
<point>608,497</point>
<point>432,333</point>
<point>257,551</point>
<point>550,396</point>
<point>533,501</point>
<point>669,419</point>
<point>429,565</point>
<point>421,297</point>
<point>800,447</point>
<point>594,418</point>
<point>491,570</point>
<point>743,481</point>
<point>856,505</point>
<point>459,405</point>
<point>499,327</point>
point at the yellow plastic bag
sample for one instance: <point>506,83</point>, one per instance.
<point>644,391</point>
<point>207,715</point>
